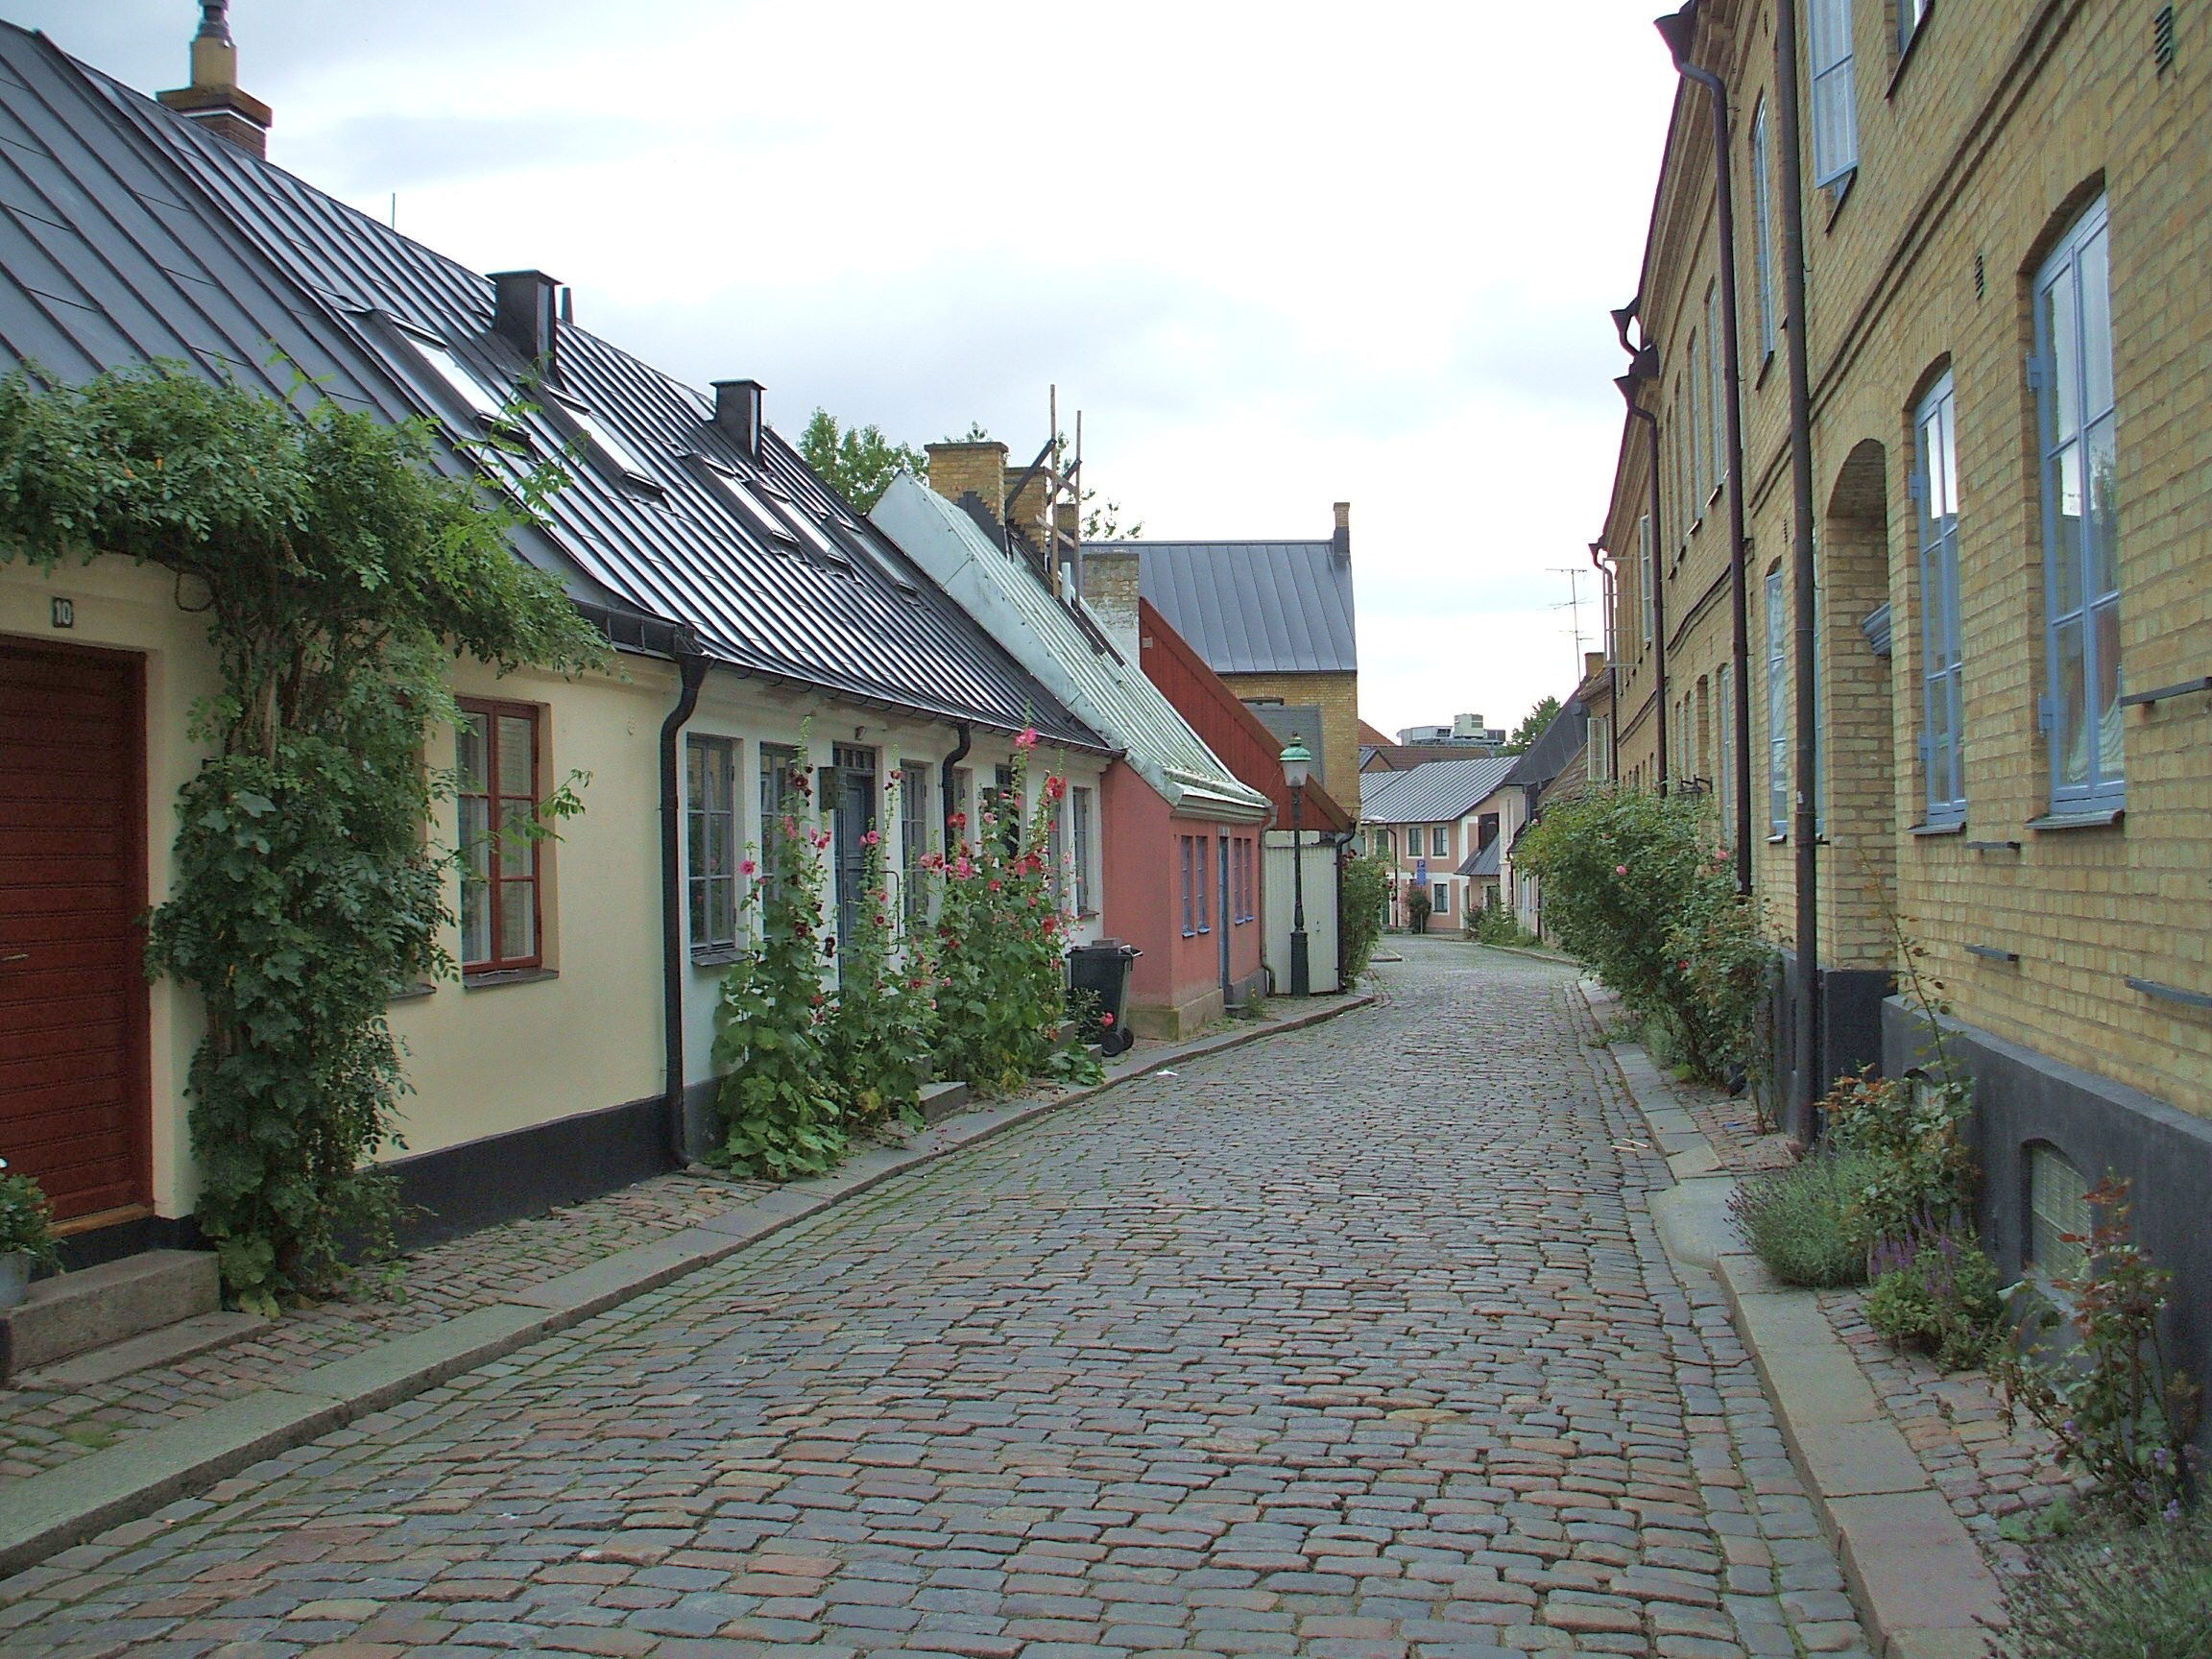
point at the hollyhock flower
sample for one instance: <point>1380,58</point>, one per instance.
<point>1620,869</point>
<point>996,884</point>
<point>1055,786</point>
<point>746,867</point>
<point>873,838</point>
<point>1106,1020</point>
<point>958,820</point>
<point>1027,739</point>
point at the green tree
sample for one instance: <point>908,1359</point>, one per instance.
<point>1531,728</point>
<point>858,462</point>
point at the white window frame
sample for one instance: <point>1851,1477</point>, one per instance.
<point>1084,835</point>
<point>1700,469</point>
<point>1724,759</point>
<point>2077,416</point>
<point>1942,708</point>
<point>1763,224</point>
<point>1647,571</point>
<point>1717,404</point>
<point>1834,100</point>
<point>1777,708</point>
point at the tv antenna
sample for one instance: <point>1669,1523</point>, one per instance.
<point>1574,606</point>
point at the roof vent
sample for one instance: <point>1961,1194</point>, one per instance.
<point>525,314</point>
<point>213,100</point>
<point>737,413</point>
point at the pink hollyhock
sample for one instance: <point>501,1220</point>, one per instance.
<point>746,867</point>
<point>1620,869</point>
<point>1027,739</point>
<point>1106,1020</point>
<point>995,884</point>
<point>1055,786</point>
<point>873,838</point>
<point>958,820</point>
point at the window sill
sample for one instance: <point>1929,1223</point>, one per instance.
<point>507,977</point>
<point>1766,367</point>
<point>718,956</point>
<point>1955,827</point>
<point>2099,818</point>
<point>1905,57</point>
<point>1839,190</point>
<point>413,993</point>
<point>1778,840</point>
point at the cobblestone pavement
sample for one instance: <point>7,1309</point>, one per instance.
<point>43,1427</point>
<point>1356,1341</point>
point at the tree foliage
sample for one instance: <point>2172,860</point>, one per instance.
<point>1366,894</point>
<point>1532,726</point>
<point>339,574</point>
<point>858,462</point>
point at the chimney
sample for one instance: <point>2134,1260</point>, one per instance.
<point>1593,664</point>
<point>213,100</point>
<point>525,314</point>
<point>1340,543</point>
<point>973,475</point>
<point>737,412</point>
<point>1110,590</point>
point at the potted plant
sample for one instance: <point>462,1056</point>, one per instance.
<point>26,1234</point>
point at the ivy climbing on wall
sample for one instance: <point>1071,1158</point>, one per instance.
<point>339,574</point>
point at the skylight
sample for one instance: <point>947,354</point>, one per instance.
<point>803,524</point>
<point>460,379</point>
<point>605,440</point>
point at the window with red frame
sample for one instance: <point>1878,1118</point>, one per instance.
<point>497,764</point>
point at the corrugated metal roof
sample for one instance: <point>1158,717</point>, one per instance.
<point>1558,744</point>
<point>1434,792</point>
<point>1001,591</point>
<point>1254,607</point>
<point>128,234</point>
<point>1485,861</point>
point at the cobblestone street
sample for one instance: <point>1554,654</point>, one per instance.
<point>1357,1341</point>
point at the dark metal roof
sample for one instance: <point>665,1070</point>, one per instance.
<point>128,234</point>
<point>1558,744</point>
<point>1486,860</point>
<point>1254,607</point>
<point>1434,792</point>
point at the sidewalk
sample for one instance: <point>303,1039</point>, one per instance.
<point>74,1461</point>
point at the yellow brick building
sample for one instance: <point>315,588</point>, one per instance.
<point>2007,217</point>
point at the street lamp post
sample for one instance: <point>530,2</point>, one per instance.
<point>1297,763</point>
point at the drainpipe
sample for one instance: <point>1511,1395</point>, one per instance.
<point>944,780</point>
<point>1598,557</point>
<point>1648,368</point>
<point>1678,31</point>
<point>1808,735</point>
<point>691,672</point>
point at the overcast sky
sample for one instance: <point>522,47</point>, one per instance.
<point>1279,254</point>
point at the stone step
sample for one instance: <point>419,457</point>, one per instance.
<point>98,1307</point>
<point>940,1101</point>
<point>163,1347</point>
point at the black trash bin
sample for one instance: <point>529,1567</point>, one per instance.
<point>1098,985</point>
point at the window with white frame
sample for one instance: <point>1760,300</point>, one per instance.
<point>1763,224</point>
<point>1597,756</point>
<point>1187,844</point>
<point>1439,840</point>
<point>1835,92</point>
<point>1935,492</point>
<point>1725,749</point>
<point>1647,571</point>
<point>913,837</point>
<point>1777,708</point>
<point>1716,405</point>
<point>1701,461</point>
<point>2078,422</point>
<point>710,863</point>
<point>1079,808</point>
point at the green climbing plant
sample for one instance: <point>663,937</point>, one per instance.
<point>339,574</point>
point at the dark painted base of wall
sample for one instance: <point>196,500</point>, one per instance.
<point>82,1250</point>
<point>1849,1020</point>
<point>702,1122</point>
<point>460,1188</point>
<point>2021,1097</point>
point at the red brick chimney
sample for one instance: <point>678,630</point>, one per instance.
<point>213,100</point>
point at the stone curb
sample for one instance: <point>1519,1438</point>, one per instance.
<point>67,1506</point>
<point>1919,1583</point>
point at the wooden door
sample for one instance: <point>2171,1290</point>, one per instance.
<point>73,996</point>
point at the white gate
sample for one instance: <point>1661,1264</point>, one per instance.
<point>1320,861</point>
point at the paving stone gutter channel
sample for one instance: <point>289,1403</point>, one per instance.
<point>1921,1587</point>
<point>66,1505</point>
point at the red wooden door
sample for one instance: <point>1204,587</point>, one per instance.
<point>73,1001</point>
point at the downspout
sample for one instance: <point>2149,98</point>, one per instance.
<point>1648,368</point>
<point>945,781</point>
<point>691,671</point>
<point>1678,31</point>
<point>1803,822</point>
<point>1598,554</point>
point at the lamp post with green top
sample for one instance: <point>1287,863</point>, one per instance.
<point>1297,761</point>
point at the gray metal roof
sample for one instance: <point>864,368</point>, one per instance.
<point>1486,860</point>
<point>1434,792</point>
<point>1254,607</point>
<point>128,234</point>
<point>1558,744</point>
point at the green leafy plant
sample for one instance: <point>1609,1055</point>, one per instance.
<point>1495,924</point>
<point>1418,910</point>
<point>26,1219</point>
<point>339,575</point>
<point>1637,886</point>
<point>1001,995</point>
<point>1796,1220</point>
<point>2120,1409</point>
<point>2117,1592</point>
<point>1918,1162</point>
<point>781,1116</point>
<point>1936,1288</point>
<point>883,1021</point>
<point>1365,891</point>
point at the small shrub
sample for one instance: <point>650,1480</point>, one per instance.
<point>1365,891</point>
<point>878,1030</point>
<point>1796,1220</point>
<point>1417,910</point>
<point>1919,1164</point>
<point>1936,1289</point>
<point>1494,925</point>
<point>2120,1409</point>
<point>2118,1592</point>
<point>26,1219</point>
